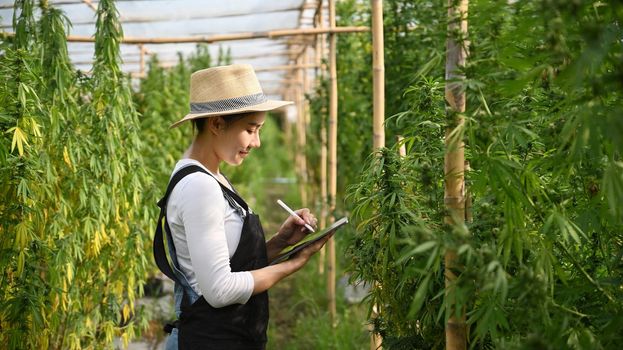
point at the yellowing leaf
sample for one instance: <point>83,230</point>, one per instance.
<point>21,259</point>
<point>104,235</point>
<point>36,128</point>
<point>126,339</point>
<point>66,157</point>
<point>55,303</point>
<point>19,140</point>
<point>109,332</point>
<point>69,272</point>
<point>126,312</point>
<point>96,244</point>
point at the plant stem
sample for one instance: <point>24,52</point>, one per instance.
<point>588,277</point>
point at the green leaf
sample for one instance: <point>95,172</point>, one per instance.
<point>613,188</point>
<point>420,296</point>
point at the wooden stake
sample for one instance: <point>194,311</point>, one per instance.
<point>332,160</point>
<point>456,54</point>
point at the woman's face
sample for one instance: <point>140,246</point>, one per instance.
<point>235,140</point>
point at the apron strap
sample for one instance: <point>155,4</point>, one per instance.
<point>160,253</point>
<point>236,197</point>
<point>164,260</point>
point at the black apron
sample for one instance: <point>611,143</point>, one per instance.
<point>238,326</point>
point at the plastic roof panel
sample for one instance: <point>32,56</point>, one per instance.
<point>188,18</point>
<point>201,26</point>
<point>182,10</point>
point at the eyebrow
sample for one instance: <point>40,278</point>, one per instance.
<point>255,124</point>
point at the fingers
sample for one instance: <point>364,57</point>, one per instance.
<point>312,249</point>
<point>307,217</point>
<point>302,257</point>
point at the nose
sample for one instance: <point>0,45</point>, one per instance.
<point>255,142</point>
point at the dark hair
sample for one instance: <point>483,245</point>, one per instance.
<point>199,123</point>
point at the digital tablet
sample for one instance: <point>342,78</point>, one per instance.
<point>310,239</point>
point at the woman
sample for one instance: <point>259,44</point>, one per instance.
<point>217,252</point>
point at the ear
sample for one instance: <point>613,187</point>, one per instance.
<point>216,124</point>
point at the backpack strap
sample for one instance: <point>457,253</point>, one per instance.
<point>160,253</point>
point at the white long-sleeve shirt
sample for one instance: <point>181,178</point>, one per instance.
<point>206,232</point>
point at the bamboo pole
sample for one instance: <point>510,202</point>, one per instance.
<point>323,185</point>
<point>456,54</point>
<point>296,66</point>
<point>318,48</point>
<point>332,160</point>
<point>142,50</point>
<point>171,63</point>
<point>165,64</point>
<point>89,3</point>
<point>320,53</point>
<point>312,195</point>
<point>224,37</point>
<point>469,217</point>
<point>301,139</point>
<point>378,115</point>
<point>307,86</point>
<point>287,130</point>
<point>263,55</point>
<point>378,76</point>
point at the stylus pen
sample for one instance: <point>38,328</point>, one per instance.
<point>284,206</point>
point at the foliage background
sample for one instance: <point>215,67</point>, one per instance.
<point>72,188</point>
<point>541,260</point>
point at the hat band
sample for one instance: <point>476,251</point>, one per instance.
<point>228,104</point>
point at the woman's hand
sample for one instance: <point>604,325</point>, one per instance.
<point>266,277</point>
<point>301,258</point>
<point>293,229</point>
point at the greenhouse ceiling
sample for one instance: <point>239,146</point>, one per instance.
<point>176,24</point>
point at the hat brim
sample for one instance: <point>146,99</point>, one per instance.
<point>261,107</point>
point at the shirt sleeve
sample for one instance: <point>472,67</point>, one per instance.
<point>203,214</point>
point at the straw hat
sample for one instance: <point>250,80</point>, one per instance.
<point>226,90</point>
